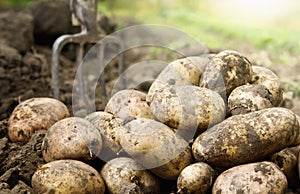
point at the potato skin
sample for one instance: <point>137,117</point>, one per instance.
<point>156,147</point>
<point>249,98</point>
<point>34,114</point>
<point>196,178</point>
<point>124,175</point>
<point>260,177</point>
<point>67,177</point>
<point>109,127</point>
<point>286,160</point>
<point>172,169</point>
<point>246,138</point>
<point>128,103</point>
<point>299,165</point>
<point>72,138</point>
<point>227,70</point>
<point>297,140</point>
<point>188,108</point>
<point>264,76</point>
<point>186,71</point>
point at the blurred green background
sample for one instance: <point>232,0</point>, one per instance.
<point>13,3</point>
<point>270,25</point>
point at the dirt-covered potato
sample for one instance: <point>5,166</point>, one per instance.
<point>226,71</point>
<point>156,146</point>
<point>72,138</point>
<point>264,76</point>
<point>196,178</point>
<point>297,140</point>
<point>171,169</point>
<point>188,108</point>
<point>246,138</point>
<point>128,103</point>
<point>186,71</point>
<point>295,150</point>
<point>67,177</point>
<point>287,161</point>
<point>249,98</point>
<point>109,127</point>
<point>299,164</point>
<point>260,177</point>
<point>32,115</point>
<point>124,175</point>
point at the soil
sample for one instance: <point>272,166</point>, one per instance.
<point>25,72</point>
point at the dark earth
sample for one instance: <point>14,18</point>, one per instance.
<point>26,38</point>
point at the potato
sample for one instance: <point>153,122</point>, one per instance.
<point>186,71</point>
<point>196,178</point>
<point>67,177</point>
<point>299,165</point>
<point>171,169</point>
<point>128,103</point>
<point>295,150</point>
<point>34,114</point>
<point>264,76</point>
<point>227,70</point>
<point>260,177</point>
<point>246,138</point>
<point>72,138</point>
<point>286,160</point>
<point>109,127</point>
<point>188,108</point>
<point>155,146</point>
<point>297,140</point>
<point>124,175</point>
<point>249,98</point>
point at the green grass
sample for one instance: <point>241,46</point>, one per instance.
<point>14,3</point>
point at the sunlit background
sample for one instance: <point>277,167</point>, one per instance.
<point>270,25</point>
<point>261,12</point>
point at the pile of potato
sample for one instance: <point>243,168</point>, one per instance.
<point>211,124</point>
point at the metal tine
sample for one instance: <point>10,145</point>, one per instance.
<point>86,12</point>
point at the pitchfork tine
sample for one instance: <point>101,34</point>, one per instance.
<point>86,12</point>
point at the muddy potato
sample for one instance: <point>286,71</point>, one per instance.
<point>156,147</point>
<point>128,103</point>
<point>295,150</point>
<point>188,108</point>
<point>286,160</point>
<point>196,178</point>
<point>264,76</point>
<point>186,71</point>
<point>32,115</point>
<point>297,140</point>
<point>171,169</point>
<point>249,98</point>
<point>109,127</point>
<point>226,71</point>
<point>260,177</point>
<point>67,177</point>
<point>124,175</point>
<point>299,165</point>
<point>72,138</point>
<point>245,138</point>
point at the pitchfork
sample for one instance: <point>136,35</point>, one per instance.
<point>86,13</point>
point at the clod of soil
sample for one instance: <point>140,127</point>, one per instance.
<point>18,163</point>
<point>17,29</point>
